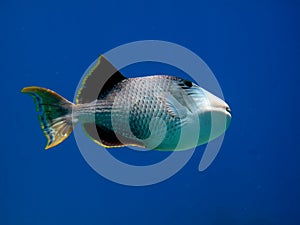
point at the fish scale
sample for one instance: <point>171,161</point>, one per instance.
<point>159,112</point>
<point>144,105</point>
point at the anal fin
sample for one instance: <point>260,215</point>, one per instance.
<point>102,136</point>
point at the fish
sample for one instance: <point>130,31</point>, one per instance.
<point>160,112</point>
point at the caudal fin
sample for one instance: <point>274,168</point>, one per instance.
<point>55,114</point>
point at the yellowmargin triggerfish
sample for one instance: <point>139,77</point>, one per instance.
<point>149,112</point>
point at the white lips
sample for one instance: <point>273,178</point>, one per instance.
<point>216,104</point>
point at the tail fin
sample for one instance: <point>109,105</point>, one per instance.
<point>55,114</point>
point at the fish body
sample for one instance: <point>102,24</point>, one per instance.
<point>155,112</point>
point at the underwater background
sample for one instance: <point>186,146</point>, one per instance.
<point>253,48</point>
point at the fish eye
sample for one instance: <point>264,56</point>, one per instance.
<point>188,83</point>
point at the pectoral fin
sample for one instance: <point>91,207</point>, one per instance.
<point>174,107</point>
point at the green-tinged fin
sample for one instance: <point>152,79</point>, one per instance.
<point>55,114</point>
<point>98,81</point>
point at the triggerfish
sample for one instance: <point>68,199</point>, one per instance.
<point>159,112</point>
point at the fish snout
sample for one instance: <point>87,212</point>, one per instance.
<point>215,104</point>
<point>228,109</point>
<point>216,115</point>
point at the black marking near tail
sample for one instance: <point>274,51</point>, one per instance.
<point>107,137</point>
<point>102,136</point>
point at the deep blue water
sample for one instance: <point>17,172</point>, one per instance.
<point>253,48</point>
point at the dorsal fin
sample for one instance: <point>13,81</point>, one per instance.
<point>98,81</point>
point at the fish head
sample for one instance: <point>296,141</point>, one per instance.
<point>214,113</point>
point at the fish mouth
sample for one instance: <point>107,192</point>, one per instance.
<point>219,113</point>
<point>228,111</point>
<point>215,104</point>
<point>224,110</point>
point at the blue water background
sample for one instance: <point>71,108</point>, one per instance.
<point>253,48</point>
